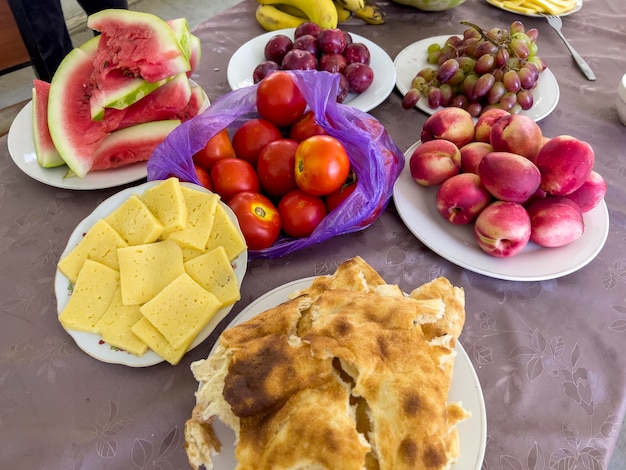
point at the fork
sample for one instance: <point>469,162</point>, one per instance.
<point>556,23</point>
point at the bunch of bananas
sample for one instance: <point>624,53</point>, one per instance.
<point>280,14</point>
<point>534,7</point>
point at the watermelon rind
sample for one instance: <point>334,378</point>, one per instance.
<point>141,44</point>
<point>132,144</point>
<point>180,26</point>
<point>122,92</point>
<point>46,152</point>
<point>75,135</point>
<point>195,55</point>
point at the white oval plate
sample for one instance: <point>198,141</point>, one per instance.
<point>413,58</point>
<point>465,388</point>
<point>92,344</point>
<point>578,6</point>
<point>247,57</point>
<point>22,150</point>
<point>417,209</point>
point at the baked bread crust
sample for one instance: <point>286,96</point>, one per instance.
<point>348,374</point>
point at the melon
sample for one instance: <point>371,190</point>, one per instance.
<point>47,154</point>
<point>131,145</point>
<point>180,27</point>
<point>195,55</point>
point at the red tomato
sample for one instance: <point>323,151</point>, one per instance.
<point>305,127</point>
<point>337,197</point>
<point>203,177</point>
<point>258,218</point>
<point>233,175</point>
<point>252,136</point>
<point>276,167</point>
<point>218,147</point>
<point>279,100</point>
<point>300,213</point>
<point>322,165</point>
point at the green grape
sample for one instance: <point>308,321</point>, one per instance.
<point>434,48</point>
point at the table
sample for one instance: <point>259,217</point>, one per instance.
<point>550,354</point>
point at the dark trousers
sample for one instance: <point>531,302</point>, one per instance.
<point>50,30</point>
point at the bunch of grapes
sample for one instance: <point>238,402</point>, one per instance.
<point>484,69</point>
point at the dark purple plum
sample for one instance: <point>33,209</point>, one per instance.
<point>277,47</point>
<point>357,52</point>
<point>360,77</point>
<point>263,69</point>
<point>331,41</point>
<point>344,88</point>
<point>297,59</point>
<point>308,27</point>
<point>334,63</point>
<point>307,42</point>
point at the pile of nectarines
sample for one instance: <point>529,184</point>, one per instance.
<point>503,175</point>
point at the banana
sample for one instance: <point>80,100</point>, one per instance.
<point>343,14</point>
<point>272,19</point>
<point>322,12</point>
<point>551,7</point>
<point>291,10</point>
<point>372,13</point>
<point>351,5</point>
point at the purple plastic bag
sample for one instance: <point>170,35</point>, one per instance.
<point>375,158</point>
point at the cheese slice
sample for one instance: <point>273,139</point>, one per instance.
<point>146,269</point>
<point>134,222</point>
<point>156,341</point>
<point>100,244</point>
<point>200,214</point>
<point>181,310</point>
<point>225,233</point>
<point>94,290</point>
<point>167,203</point>
<point>116,323</point>
<point>214,272</point>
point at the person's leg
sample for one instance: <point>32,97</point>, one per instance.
<point>94,6</point>
<point>48,26</point>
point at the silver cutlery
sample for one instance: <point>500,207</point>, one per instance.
<point>556,23</point>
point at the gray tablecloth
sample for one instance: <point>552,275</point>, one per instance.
<point>550,355</point>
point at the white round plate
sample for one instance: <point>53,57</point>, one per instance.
<point>22,150</point>
<point>247,57</point>
<point>416,206</point>
<point>413,58</point>
<point>465,388</point>
<point>578,6</point>
<point>92,344</point>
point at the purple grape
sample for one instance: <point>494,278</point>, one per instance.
<point>483,84</point>
<point>525,99</point>
<point>334,63</point>
<point>331,41</point>
<point>263,69</point>
<point>411,98</point>
<point>360,77</point>
<point>297,59</point>
<point>511,81</point>
<point>434,98</point>
<point>484,47</point>
<point>447,70</point>
<point>357,52</point>
<point>276,48</point>
<point>527,78</point>
<point>484,64</point>
<point>496,92</point>
<point>307,42</point>
<point>308,27</point>
<point>474,108</point>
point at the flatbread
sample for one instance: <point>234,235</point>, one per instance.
<point>350,373</point>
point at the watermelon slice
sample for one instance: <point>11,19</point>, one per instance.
<point>137,44</point>
<point>47,154</point>
<point>182,34</point>
<point>196,54</point>
<point>166,102</point>
<point>131,145</point>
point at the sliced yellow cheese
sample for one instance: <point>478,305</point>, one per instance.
<point>116,323</point>
<point>200,214</point>
<point>225,233</point>
<point>146,269</point>
<point>135,222</point>
<point>190,253</point>
<point>100,244</point>
<point>167,203</point>
<point>181,310</point>
<point>94,290</point>
<point>157,342</point>
<point>214,272</point>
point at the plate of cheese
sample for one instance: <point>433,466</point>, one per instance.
<point>150,273</point>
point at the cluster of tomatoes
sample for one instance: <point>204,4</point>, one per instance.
<point>279,172</point>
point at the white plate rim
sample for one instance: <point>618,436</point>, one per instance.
<point>465,388</point>
<point>416,206</point>
<point>412,59</point>
<point>578,6</point>
<point>22,150</point>
<point>250,54</point>
<point>90,343</point>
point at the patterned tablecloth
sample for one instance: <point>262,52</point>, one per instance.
<point>549,354</point>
